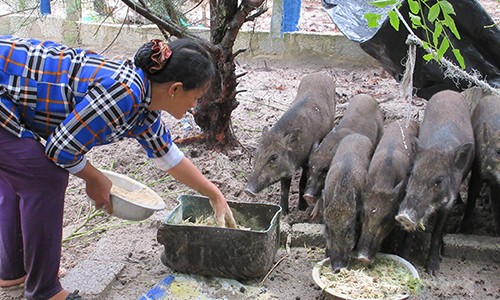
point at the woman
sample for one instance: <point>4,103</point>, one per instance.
<point>56,103</point>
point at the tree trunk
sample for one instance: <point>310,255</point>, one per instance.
<point>213,113</point>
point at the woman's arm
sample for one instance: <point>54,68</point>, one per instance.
<point>187,173</point>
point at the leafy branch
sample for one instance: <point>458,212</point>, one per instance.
<point>439,18</point>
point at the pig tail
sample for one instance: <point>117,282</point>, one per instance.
<point>181,60</point>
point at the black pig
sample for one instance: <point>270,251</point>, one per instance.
<point>486,166</point>
<point>341,197</point>
<point>362,116</point>
<point>445,150</point>
<point>385,186</point>
<point>286,146</point>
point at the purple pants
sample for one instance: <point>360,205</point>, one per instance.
<point>32,192</point>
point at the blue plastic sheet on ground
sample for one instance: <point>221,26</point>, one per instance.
<point>181,286</point>
<point>160,290</point>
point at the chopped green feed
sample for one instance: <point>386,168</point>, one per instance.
<point>383,279</point>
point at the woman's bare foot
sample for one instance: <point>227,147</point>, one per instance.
<point>11,283</point>
<point>62,295</point>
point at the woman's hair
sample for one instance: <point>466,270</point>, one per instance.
<point>188,63</point>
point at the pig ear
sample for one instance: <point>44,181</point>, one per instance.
<point>265,129</point>
<point>315,146</point>
<point>418,146</point>
<point>486,133</point>
<point>399,187</point>
<point>293,135</point>
<point>462,155</point>
<point>368,182</point>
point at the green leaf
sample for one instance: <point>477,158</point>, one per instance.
<point>425,45</point>
<point>445,45</point>
<point>428,57</point>
<point>459,58</point>
<point>394,19</point>
<point>450,23</point>
<point>446,7</point>
<point>372,19</point>
<point>415,20</point>
<point>434,12</point>
<point>437,33</point>
<point>414,7</point>
<point>382,3</point>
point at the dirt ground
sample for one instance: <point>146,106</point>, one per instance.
<point>270,88</point>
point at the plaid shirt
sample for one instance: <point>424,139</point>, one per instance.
<point>75,100</point>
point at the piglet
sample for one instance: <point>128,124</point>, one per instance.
<point>486,166</point>
<point>385,186</point>
<point>341,196</point>
<point>445,150</point>
<point>362,116</point>
<point>286,146</point>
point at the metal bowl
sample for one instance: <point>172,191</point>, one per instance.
<point>127,209</point>
<point>331,293</point>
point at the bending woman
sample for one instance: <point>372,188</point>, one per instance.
<point>57,103</point>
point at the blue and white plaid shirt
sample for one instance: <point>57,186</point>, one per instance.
<point>75,100</point>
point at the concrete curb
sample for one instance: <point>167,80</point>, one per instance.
<point>472,247</point>
<point>92,277</point>
<point>469,247</point>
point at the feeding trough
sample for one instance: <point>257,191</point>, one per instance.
<point>240,253</point>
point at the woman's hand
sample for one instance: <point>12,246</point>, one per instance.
<point>97,186</point>
<point>98,190</point>
<point>223,214</point>
<point>187,173</point>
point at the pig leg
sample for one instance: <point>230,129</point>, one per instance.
<point>302,187</point>
<point>467,222</point>
<point>405,248</point>
<point>285,193</point>
<point>436,241</point>
<point>495,206</point>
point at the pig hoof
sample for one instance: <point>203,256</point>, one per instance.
<point>406,222</point>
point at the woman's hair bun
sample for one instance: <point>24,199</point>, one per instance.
<point>142,58</point>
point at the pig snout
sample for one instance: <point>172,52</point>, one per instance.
<point>407,220</point>
<point>338,262</point>
<point>250,192</point>
<point>367,248</point>
<point>363,258</point>
<point>313,190</point>
<point>311,200</point>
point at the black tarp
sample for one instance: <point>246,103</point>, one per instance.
<point>479,43</point>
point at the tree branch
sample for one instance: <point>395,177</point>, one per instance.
<point>246,7</point>
<point>169,26</point>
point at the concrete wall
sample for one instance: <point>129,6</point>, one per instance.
<point>293,48</point>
